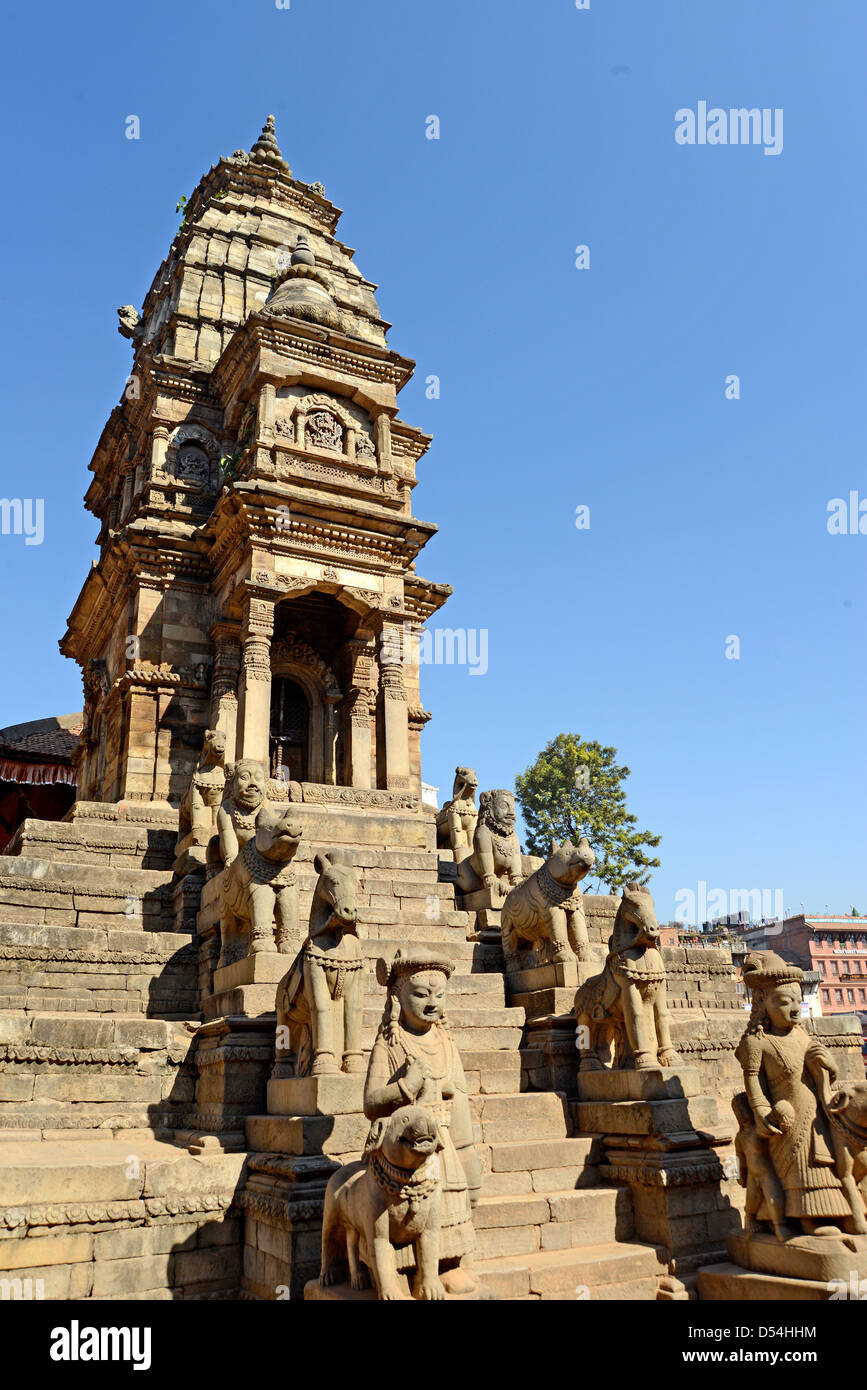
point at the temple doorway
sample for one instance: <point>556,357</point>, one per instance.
<point>290,731</point>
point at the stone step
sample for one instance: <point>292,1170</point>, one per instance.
<point>85,1119</point>
<point>490,1071</point>
<point>63,1070</point>
<point>136,1107</point>
<point>540,1165</point>
<point>89,970</point>
<point>397,873</point>
<point>475,956</point>
<point>379,923</point>
<point>523,1223</point>
<point>644,1117</point>
<point>82,1031</point>
<point>95,842</point>
<point>466,1014</point>
<point>599,1272</point>
<point>474,1028</point>
<point>42,891</point>
<point>522,1115</point>
<point>142,1175</point>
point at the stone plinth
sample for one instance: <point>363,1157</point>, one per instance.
<point>550,1057</point>
<point>263,968</point>
<point>282,1203</point>
<point>805,1268</point>
<point>256,1001</point>
<point>344,1293</point>
<point>186,899</point>
<point>484,900</point>
<point>562,974</point>
<point>679,1120</point>
<point>661,1083</point>
<point>816,1258</point>
<point>728,1283</point>
<point>659,1137</point>
<point>233,1057</point>
<point>316,1095</point>
<point>339,1136</point>
<point>314,1124</point>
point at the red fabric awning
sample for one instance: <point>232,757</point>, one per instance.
<point>37,774</point>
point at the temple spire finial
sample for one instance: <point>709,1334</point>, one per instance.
<point>266,150</point>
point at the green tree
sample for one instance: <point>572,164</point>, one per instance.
<point>575,788</point>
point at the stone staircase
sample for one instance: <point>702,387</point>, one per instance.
<point>97,992</point>
<point>100,1000</point>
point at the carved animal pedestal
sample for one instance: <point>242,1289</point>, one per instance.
<point>320,1002</point>
<point>543,929</point>
<point>802,1152</point>
<point>456,822</point>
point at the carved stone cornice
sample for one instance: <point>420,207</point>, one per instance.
<point>148,1209</point>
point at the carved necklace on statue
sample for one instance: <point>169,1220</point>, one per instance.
<point>635,970</point>
<point>433,1054</point>
<point>245,820</point>
<point>502,844</point>
<point>263,871</point>
<point>413,1185</point>
<point>326,961</point>
<point>552,891</point>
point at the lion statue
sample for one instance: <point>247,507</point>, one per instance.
<point>495,861</point>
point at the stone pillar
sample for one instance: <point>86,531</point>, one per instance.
<point>224,689</point>
<point>382,439</point>
<point>159,450</point>
<point>332,700</point>
<point>360,680</point>
<point>395,709</point>
<point>266,414</point>
<point>254,691</point>
<point>359,755</point>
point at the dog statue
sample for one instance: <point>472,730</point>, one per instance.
<point>626,1004</point>
<point>388,1199</point>
<point>197,816</point>
<point>545,912</point>
<point>456,822</point>
<point>320,1002</point>
<point>259,902</point>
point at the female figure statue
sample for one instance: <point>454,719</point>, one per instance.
<point>415,1062</point>
<point>787,1076</point>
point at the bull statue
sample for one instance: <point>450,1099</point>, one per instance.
<point>545,914</point>
<point>320,1002</point>
<point>259,900</point>
<point>625,1007</point>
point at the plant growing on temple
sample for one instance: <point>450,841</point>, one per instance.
<point>229,465</point>
<point>575,788</point>
<point>181,206</point>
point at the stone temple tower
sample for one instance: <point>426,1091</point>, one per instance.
<point>254,491</point>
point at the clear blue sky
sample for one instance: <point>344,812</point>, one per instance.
<point>560,387</point>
